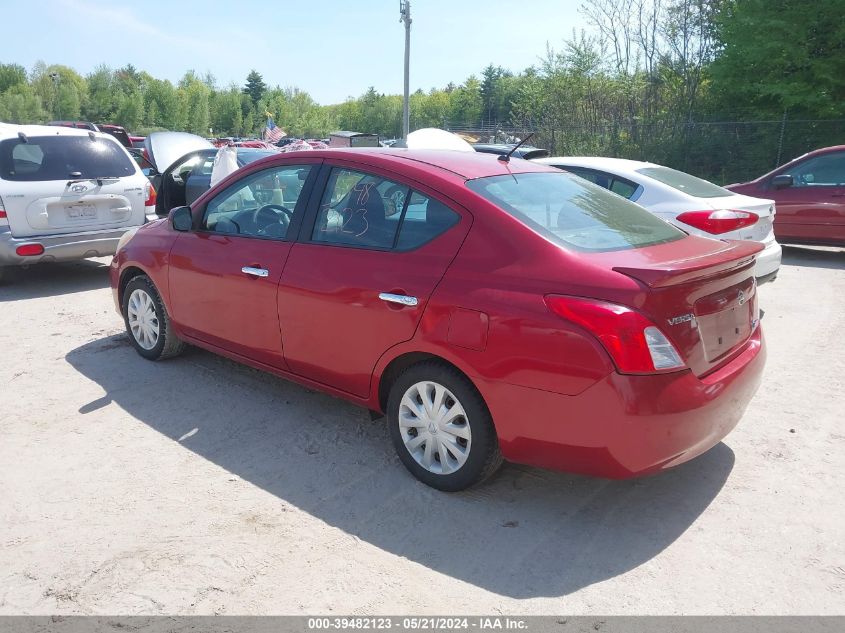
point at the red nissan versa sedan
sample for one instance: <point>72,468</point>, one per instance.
<point>490,309</point>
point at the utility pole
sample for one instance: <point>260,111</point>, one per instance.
<point>56,111</point>
<point>405,16</point>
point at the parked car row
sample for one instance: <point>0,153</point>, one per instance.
<point>694,205</point>
<point>567,313</point>
<point>802,201</point>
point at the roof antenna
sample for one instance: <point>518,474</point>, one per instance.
<point>91,136</point>
<point>506,157</point>
<point>22,137</point>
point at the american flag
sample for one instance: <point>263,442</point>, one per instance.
<point>273,133</point>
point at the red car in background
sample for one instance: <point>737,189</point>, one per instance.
<point>809,195</point>
<point>505,309</point>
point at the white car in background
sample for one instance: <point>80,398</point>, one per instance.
<point>66,194</point>
<point>694,205</point>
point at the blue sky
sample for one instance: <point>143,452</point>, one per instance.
<point>330,48</point>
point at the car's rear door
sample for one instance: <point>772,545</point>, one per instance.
<point>69,183</point>
<point>224,276</point>
<point>359,280</point>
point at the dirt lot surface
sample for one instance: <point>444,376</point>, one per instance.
<point>198,486</point>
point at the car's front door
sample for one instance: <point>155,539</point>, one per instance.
<point>813,208</point>
<point>360,279</point>
<point>224,276</point>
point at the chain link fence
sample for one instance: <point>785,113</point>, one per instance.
<point>720,151</point>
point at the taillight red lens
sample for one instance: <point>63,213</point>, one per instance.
<point>718,222</point>
<point>3,215</point>
<point>151,195</point>
<point>635,344</point>
<point>26,250</point>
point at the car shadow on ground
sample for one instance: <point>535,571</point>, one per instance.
<point>50,280</point>
<point>525,533</point>
<point>817,257</point>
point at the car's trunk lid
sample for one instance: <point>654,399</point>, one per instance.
<point>700,292</point>
<point>70,207</point>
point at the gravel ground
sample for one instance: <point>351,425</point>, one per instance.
<point>198,486</point>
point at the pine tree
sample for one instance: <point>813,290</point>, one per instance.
<point>255,86</point>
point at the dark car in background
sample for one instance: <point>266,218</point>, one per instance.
<point>809,194</point>
<point>524,151</point>
<point>117,131</point>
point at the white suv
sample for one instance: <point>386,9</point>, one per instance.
<point>66,194</point>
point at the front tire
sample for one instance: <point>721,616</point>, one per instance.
<point>441,428</point>
<point>147,321</point>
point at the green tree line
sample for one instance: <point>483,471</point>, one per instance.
<point>690,83</point>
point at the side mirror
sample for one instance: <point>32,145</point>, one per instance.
<point>181,219</point>
<point>782,181</point>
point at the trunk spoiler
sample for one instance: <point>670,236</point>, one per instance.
<point>737,255</point>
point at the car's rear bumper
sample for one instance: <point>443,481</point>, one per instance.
<point>768,261</point>
<point>625,426</point>
<point>57,248</point>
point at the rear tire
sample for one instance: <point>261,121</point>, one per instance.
<point>147,321</point>
<point>441,427</point>
<point>4,274</point>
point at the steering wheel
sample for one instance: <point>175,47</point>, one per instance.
<point>266,216</point>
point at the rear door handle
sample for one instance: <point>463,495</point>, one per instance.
<point>404,300</point>
<point>255,272</point>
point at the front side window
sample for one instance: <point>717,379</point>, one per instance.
<point>827,170</point>
<point>259,205</point>
<point>574,213</point>
<point>63,158</point>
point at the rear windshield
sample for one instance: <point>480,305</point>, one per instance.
<point>575,213</point>
<point>684,182</point>
<point>63,157</point>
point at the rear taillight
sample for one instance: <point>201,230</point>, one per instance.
<point>4,219</point>
<point>150,191</point>
<point>718,222</point>
<point>636,345</point>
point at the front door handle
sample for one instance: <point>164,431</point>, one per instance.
<point>255,272</point>
<point>404,300</point>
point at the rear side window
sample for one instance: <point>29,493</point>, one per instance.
<point>616,184</point>
<point>62,158</point>
<point>369,211</point>
<point>624,188</point>
<point>685,182</point>
<point>574,213</point>
<point>425,218</point>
